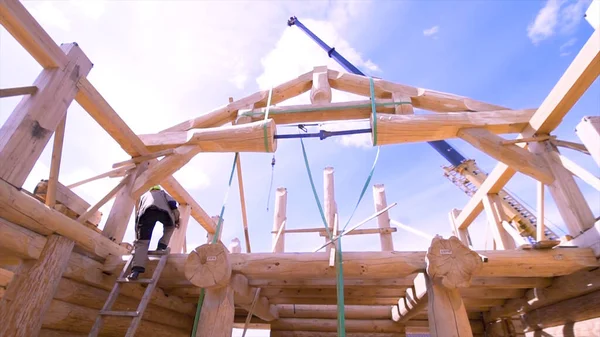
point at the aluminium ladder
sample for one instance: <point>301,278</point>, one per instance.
<point>112,297</point>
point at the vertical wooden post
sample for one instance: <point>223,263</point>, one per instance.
<point>124,204</point>
<point>383,220</point>
<point>450,265</point>
<point>209,236</point>
<point>59,137</point>
<point>320,91</point>
<point>30,293</point>
<point>540,227</point>
<point>569,200</point>
<point>177,242</point>
<point>403,109</point>
<point>495,215</point>
<point>588,130</point>
<point>217,315</point>
<point>329,203</point>
<point>278,243</point>
<point>461,234</point>
<point>28,129</point>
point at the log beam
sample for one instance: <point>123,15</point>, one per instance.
<point>588,327</point>
<point>28,212</point>
<point>29,127</point>
<point>320,91</point>
<point>217,315</point>
<point>569,200</point>
<point>29,295</point>
<point>578,77</point>
<point>330,325</point>
<point>244,295</point>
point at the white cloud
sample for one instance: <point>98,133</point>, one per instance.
<point>48,14</point>
<point>565,46</point>
<point>553,16</point>
<point>92,9</point>
<point>431,31</point>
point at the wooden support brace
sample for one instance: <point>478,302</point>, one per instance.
<point>119,172</point>
<point>59,137</point>
<point>83,217</point>
<point>515,156</point>
<point>243,202</point>
<point>580,172</point>
<point>569,200</point>
<point>141,159</point>
<point>244,296</point>
<point>28,129</point>
<point>329,202</point>
<point>19,91</point>
<point>461,233</point>
<point>320,91</point>
<point>495,215</point>
<point>29,295</point>
<point>218,311</point>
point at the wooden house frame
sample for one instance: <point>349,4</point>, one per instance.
<point>545,289</point>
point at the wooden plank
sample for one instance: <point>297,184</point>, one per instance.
<point>329,205</point>
<point>83,217</point>
<point>279,220</point>
<point>29,295</point>
<point>495,217</point>
<point>177,242</point>
<point>238,168</point>
<point>30,34</point>
<point>580,172</point>
<point>140,159</point>
<point>578,77</point>
<point>30,90</point>
<point>29,127</point>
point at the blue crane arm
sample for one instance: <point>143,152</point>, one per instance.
<point>442,147</point>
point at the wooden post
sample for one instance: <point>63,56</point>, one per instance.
<point>279,220</point>
<point>450,265</point>
<point>588,130</point>
<point>320,91</point>
<point>28,129</point>
<point>383,220</point>
<point>124,204</point>
<point>218,313</point>
<point>234,246</point>
<point>329,202</point>
<point>29,295</point>
<point>495,216</point>
<point>461,233</point>
<point>569,200</point>
<point>238,165</point>
<point>541,228</point>
<point>177,242</point>
<point>402,109</point>
<point>59,137</point>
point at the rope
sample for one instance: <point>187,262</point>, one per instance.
<point>341,328</point>
<point>213,241</point>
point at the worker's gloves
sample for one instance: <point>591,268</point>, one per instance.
<point>176,216</point>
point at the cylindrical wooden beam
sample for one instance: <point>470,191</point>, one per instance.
<point>330,311</point>
<point>208,266</point>
<point>257,136</point>
<point>78,319</point>
<point>217,315</point>
<point>383,220</point>
<point>326,325</point>
<point>279,220</point>
<point>329,202</point>
<point>296,333</point>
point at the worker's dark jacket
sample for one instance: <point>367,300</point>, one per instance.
<point>157,198</point>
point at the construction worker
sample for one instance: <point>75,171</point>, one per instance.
<point>155,205</point>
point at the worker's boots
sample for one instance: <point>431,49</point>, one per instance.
<point>135,273</point>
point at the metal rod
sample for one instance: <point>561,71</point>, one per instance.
<point>323,134</point>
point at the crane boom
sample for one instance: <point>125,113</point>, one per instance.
<point>441,146</point>
<point>463,173</point>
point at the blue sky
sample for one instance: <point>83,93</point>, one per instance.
<point>159,63</point>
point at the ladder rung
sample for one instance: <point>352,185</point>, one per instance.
<point>158,252</point>
<point>119,313</point>
<point>141,280</point>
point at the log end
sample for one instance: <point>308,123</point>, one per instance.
<point>208,266</point>
<point>452,262</point>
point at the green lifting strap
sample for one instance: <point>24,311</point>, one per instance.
<point>338,254</point>
<point>214,240</point>
<point>366,185</point>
